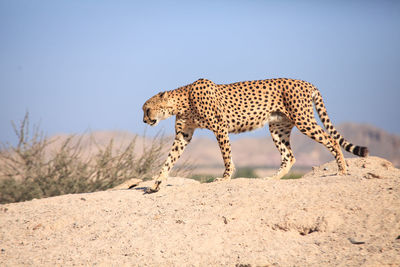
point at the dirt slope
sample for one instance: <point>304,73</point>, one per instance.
<point>319,220</point>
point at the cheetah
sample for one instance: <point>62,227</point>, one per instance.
<point>244,106</point>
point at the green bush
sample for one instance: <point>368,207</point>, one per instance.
<point>293,175</point>
<point>203,178</point>
<point>245,172</point>
<point>28,170</point>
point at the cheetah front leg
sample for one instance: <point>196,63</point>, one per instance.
<point>225,147</point>
<point>183,135</point>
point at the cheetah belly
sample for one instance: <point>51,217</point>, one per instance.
<point>243,125</point>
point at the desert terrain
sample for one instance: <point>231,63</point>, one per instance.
<point>319,220</point>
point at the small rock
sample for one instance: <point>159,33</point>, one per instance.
<point>387,165</point>
<point>37,226</point>
<point>371,175</point>
<point>356,242</point>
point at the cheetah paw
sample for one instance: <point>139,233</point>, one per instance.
<point>155,188</point>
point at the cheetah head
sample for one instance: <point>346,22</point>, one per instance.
<point>157,108</point>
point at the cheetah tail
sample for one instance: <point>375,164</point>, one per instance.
<point>321,109</point>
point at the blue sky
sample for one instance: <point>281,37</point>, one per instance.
<point>90,65</point>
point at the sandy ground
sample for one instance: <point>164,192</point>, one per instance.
<point>319,220</point>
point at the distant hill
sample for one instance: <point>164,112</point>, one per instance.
<point>259,151</point>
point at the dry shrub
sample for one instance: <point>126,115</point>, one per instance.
<point>29,170</point>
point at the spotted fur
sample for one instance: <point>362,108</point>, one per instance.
<point>245,106</point>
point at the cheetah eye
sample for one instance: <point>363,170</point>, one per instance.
<point>148,112</point>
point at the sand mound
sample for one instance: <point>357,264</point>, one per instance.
<point>319,220</point>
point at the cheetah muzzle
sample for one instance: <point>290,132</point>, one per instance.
<point>245,106</point>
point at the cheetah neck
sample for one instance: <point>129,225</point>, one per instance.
<point>178,99</point>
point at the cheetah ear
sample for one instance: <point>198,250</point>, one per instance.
<point>164,95</point>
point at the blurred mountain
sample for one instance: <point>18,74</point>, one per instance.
<point>261,151</point>
<point>253,151</point>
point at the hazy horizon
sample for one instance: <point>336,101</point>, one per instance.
<point>79,66</point>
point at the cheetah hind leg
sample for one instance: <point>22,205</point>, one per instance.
<point>283,170</point>
<point>280,132</point>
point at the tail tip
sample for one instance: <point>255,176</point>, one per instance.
<point>363,151</point>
